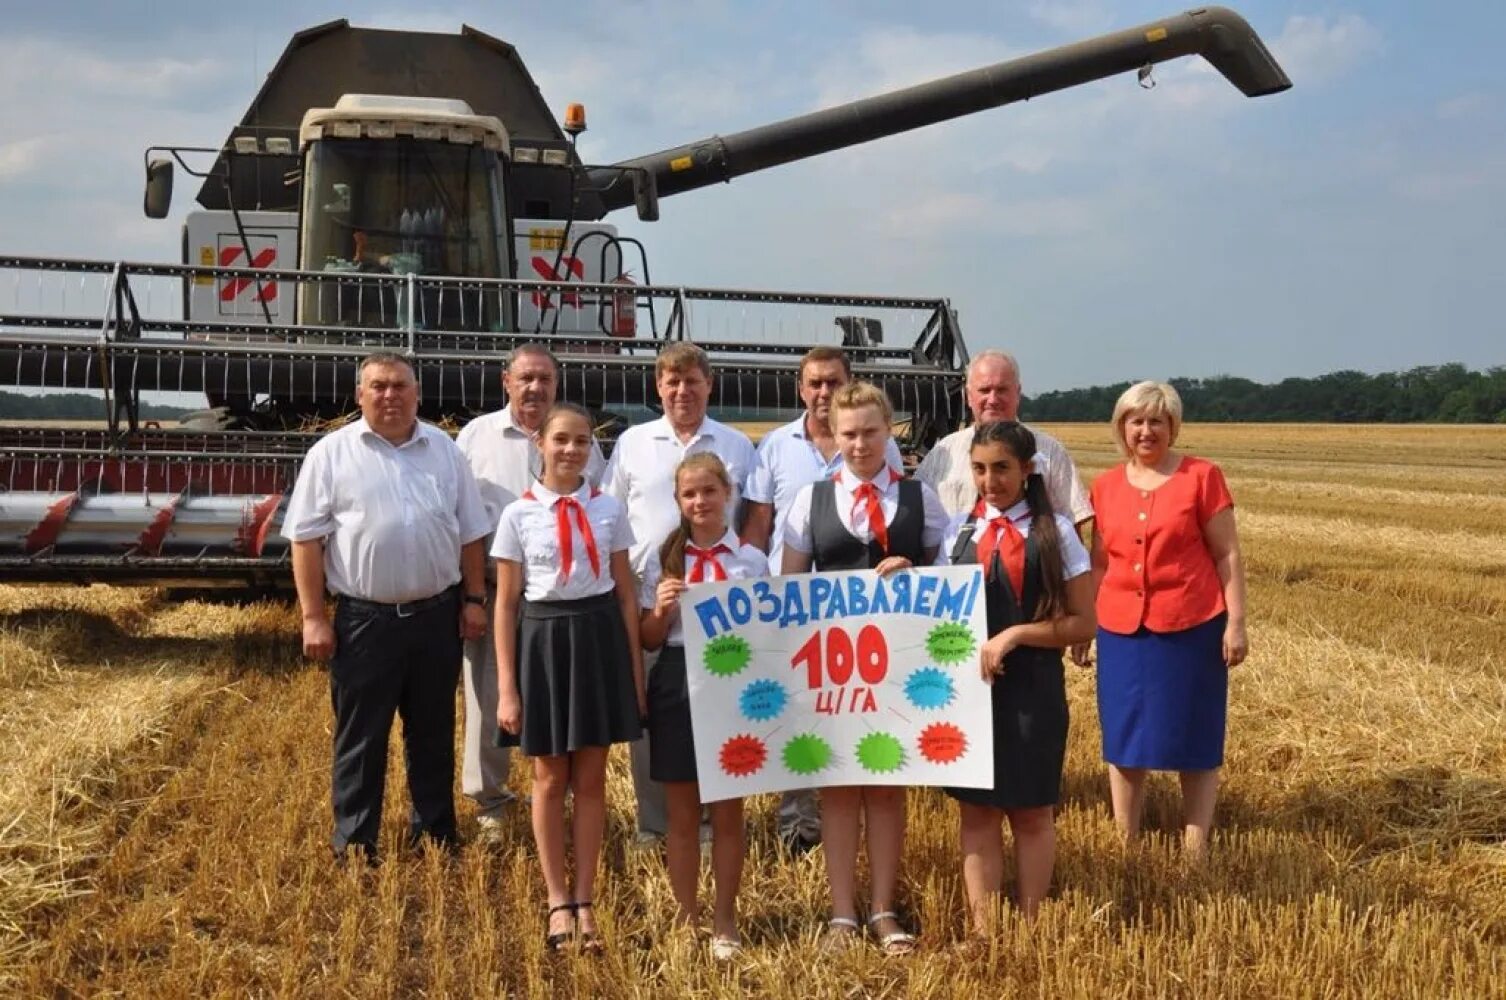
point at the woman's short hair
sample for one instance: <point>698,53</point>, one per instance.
<point>858,394</point>
<point>1155,399</point>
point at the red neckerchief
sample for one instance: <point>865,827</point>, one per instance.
<point>1002,539</point>
<point>865,501</point>
<point>706,559</point>
<point>564,507</point>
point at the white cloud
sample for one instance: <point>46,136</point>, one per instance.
<point>1319,49</point>
<point>1452,182</point>
<point>22,157</point>
<point>1463,106</point>
<point>111,79</point>
<point>1073,17</point>
<point>890,58</point>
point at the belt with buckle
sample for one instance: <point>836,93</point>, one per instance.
<point>402,609</point>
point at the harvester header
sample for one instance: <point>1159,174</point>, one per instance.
<point>413,192</point>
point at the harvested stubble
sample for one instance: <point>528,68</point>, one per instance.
<point>168,772</point>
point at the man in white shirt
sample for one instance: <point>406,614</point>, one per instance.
<point>641,475</point>
<point>802,451</point>
<point>503,456</point>
<point>993,393</point>
<point>386,515</point>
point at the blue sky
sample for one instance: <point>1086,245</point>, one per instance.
<point>1103,233</point>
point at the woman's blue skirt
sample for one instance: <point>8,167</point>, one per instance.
<point>1163,697</point>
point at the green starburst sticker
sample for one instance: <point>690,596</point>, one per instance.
<point>726,655</point>
<point>881,753</point>
<point>950,643</point>
<point>806,754</point>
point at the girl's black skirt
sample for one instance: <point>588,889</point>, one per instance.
<point>574,676</point>
<point>671,744</point>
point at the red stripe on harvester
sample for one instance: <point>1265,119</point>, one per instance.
<point>150,541</point>
<point>45,534</point>
<point>258,521</point>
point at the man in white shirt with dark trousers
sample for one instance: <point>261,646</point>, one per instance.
<point>386,516</point>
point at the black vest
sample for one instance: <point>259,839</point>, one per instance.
<point>833,546</point>
<point>1004,607</point>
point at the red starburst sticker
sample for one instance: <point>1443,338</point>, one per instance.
<point>743,755</point>
<point>942,743</point>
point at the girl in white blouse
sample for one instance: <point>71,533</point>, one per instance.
<point>702,549</point>
<point>569,665</point>
<point>867,516</point>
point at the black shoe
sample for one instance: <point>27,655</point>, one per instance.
<point>356,854</point>
<point>555,942</point>
<point>590,941</point>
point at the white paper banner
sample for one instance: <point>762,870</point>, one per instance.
<point>839,679</point>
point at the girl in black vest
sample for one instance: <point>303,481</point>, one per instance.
<point>868,516</point>
<point>1039,587</point>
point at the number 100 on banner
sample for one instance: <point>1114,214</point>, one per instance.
<point>839,679</point>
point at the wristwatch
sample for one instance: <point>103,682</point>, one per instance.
<point>477,599</point>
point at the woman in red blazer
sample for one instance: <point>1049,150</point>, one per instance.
<point>1171,612</point>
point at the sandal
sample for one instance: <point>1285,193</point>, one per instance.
<point>590,941</point>
<point>841,934</point>
<point>895,942</point>
<point>555,942</point>
<point>725,949</point>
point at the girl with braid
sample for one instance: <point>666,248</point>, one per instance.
<point>1039,588</point>
<point>702,549</point>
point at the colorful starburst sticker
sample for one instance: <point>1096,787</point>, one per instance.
<point>743,755</point>
<point>942,743</point>
<point>762,700</point>
<point>929,688</point>
<point>806,754</point>
<point>881,753</point>
<point>726,655</point>
<point>950,643</point>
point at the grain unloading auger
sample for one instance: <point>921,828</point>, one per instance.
<point>430,204</point>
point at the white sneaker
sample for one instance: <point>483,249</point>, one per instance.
<point>725,949</point>
<point>489,829</point>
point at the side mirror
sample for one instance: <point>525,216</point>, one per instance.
<point>159,189</point>
<point>646,194</point>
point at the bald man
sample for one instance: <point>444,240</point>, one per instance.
<point>993,393</point>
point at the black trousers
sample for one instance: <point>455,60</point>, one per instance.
<point>386,665</point>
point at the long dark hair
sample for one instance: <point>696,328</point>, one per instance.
<point>672,552</point>
<point>1020,442</point>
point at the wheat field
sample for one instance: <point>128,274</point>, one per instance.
<point>164,774</point>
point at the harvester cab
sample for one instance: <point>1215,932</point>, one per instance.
<point>413,192</point>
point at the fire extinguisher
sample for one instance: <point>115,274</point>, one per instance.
<point>624,309</point>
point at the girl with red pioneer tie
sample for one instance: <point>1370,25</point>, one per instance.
<point>867,516</point>
<point>569,663</point>
<point>702,549</point>
<point>1039,588</point>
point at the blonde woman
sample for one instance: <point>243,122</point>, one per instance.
<point>1171,612</point>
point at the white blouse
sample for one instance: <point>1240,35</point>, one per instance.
<point>743,562</point>
<point>529,534</point>
<point>1075,558</point>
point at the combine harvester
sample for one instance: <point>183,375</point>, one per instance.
<point>412,192</point>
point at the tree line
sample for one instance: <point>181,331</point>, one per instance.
<point>1449,394</point>
<point>72,406</point>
